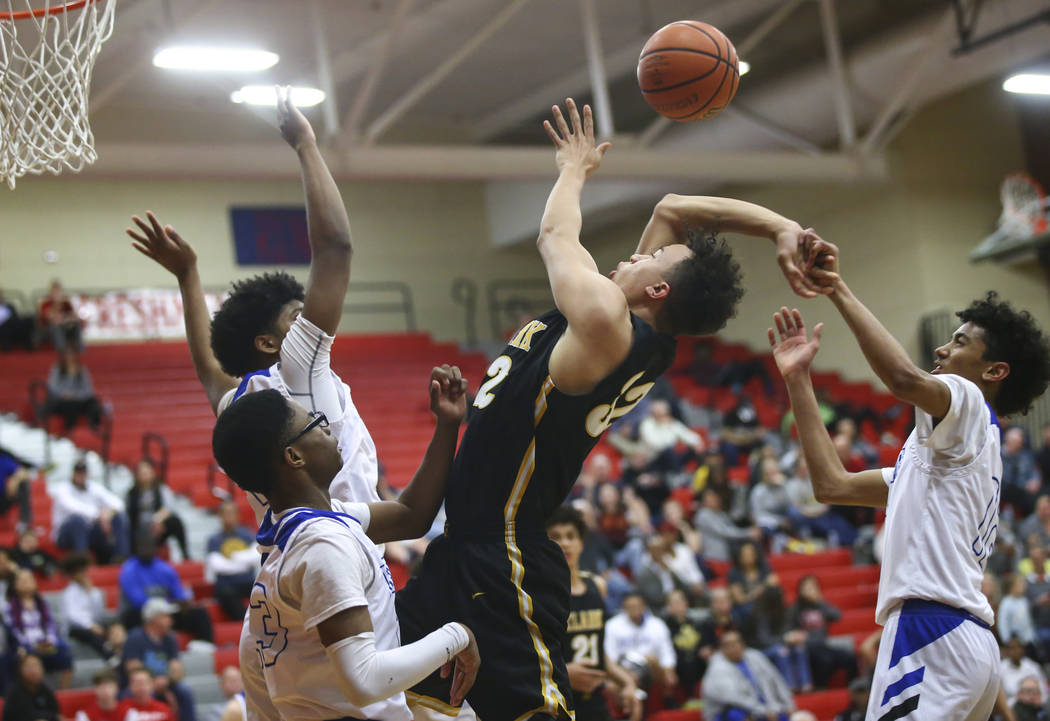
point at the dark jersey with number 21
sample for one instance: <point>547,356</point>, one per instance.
<point>526,440</point>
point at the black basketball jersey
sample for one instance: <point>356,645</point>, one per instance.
<point>586,629</point>
<point>526,441</point>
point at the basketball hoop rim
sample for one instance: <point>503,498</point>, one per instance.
<point>66,7</point>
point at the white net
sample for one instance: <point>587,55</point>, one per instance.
<point>46,61</point>
<point>1024,206</point>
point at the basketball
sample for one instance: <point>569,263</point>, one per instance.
<point>688,71</point>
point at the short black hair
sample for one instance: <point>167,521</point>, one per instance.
<point>1012,337</point>
<point>247,440</point>
<point>567,515</point>
<point>74,563</point>
<point>251,309</point>
<point>705,287</point>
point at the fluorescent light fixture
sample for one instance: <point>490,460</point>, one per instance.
<point>744,66</point>
<point>267,95</point>
<point>1031,83</point>
<point>202,59</point>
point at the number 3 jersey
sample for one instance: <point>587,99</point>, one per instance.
<point>526,441</point>
<point>321,563</point>
<point>943,510</point>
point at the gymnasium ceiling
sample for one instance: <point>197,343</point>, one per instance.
<point>797,116</point>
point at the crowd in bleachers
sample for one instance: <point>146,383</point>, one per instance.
<point>701,517</point>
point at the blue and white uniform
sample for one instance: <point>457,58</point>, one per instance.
<point>322,563</point>
<point>938,658</point>
<point>304,374</point>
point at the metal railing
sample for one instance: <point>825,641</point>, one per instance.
<point>511,298</point>
<point>465,293</point>
<point>399,294</point>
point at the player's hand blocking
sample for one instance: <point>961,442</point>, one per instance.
<point>163,245</point>
<point>448,394</point>
<point>575,145</point>
<point>295,128</point>
<point>467,662</point>
<point>822,267</point>
<point>793,351</point>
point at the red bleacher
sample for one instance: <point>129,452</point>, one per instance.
<point>152,387</point>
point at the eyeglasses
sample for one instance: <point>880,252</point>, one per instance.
<point>319,419</point>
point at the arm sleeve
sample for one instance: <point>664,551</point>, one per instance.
<point>306,369</point>
<point>367,675</point>
<point>957,434</point>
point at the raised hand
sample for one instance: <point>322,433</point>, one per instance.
<point>295,128</point>
<point>448,394</point>
<point>793,351</point>
<point>796,258</point>
<point>163,245</point>
<point>575,145</point>
<point>822,261</point>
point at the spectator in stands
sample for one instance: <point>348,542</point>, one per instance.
<point>1014,617</point>
<point>28,554</point>
<point>231,708</point>
<point>16,331</point>
<point>1037,562</point>
<point>31,699</point>
<point>88,516</point>
<point>70,392</point>
<point>84,606</point>
<point>1042,458</point>
<point>58,320</point>
<point>232,562</point>
<point>741,432</point>
<point>1038,524</point>
<point>31,627</point>
<point>812,615</point>
<point>149,506</point>
<point>741,684</point>
<point>598,555</point>
<point>669,565</point>
<point>141,699</point>
<point>1015,667</point>
<point>598,469</point>
<point>1029,704</point>
<point>685,625</point>
<point>723,616</point>
<point>770,502</point>
<point>152,647</point>
<point>859,693</point>
<point>144,578</point>
<point>811,517</point>
<point>105,706</point>
<point>1021,480</point>
<point>641,643</point>
<point>14,488</point>
<point>620,515</point>
<point>751,582</point>
<point>720,535</point>
<point>661,433</point>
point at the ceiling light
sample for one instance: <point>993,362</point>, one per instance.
<point>267,95</point>
<point>744,66</point>
<point>214,59</point>
<point>1033,83</point>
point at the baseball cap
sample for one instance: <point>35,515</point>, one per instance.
<point>157,606</point>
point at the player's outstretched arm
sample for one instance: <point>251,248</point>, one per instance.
<point>411,515</point>
<point>599,333</point>
<point>794,353</point>
<point>326,218</point>
<point>367,675</point>
<point>884,353</point>
<point>165,246</point>
<point>674,214</point>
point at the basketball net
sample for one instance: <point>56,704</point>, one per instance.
<point>1024,206</point>
<point>46,58</point>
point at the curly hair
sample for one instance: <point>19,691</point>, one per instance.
<point>251,309</point>
<point>705,287</point>
<point>567,515</point>
<point>247,439</point>
<point>1012,337</point>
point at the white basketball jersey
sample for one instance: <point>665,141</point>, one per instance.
<point>357,479</point>
<point>321,563</point>
<point>943,510</point>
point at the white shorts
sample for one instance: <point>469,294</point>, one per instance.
<point>935,662</point>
